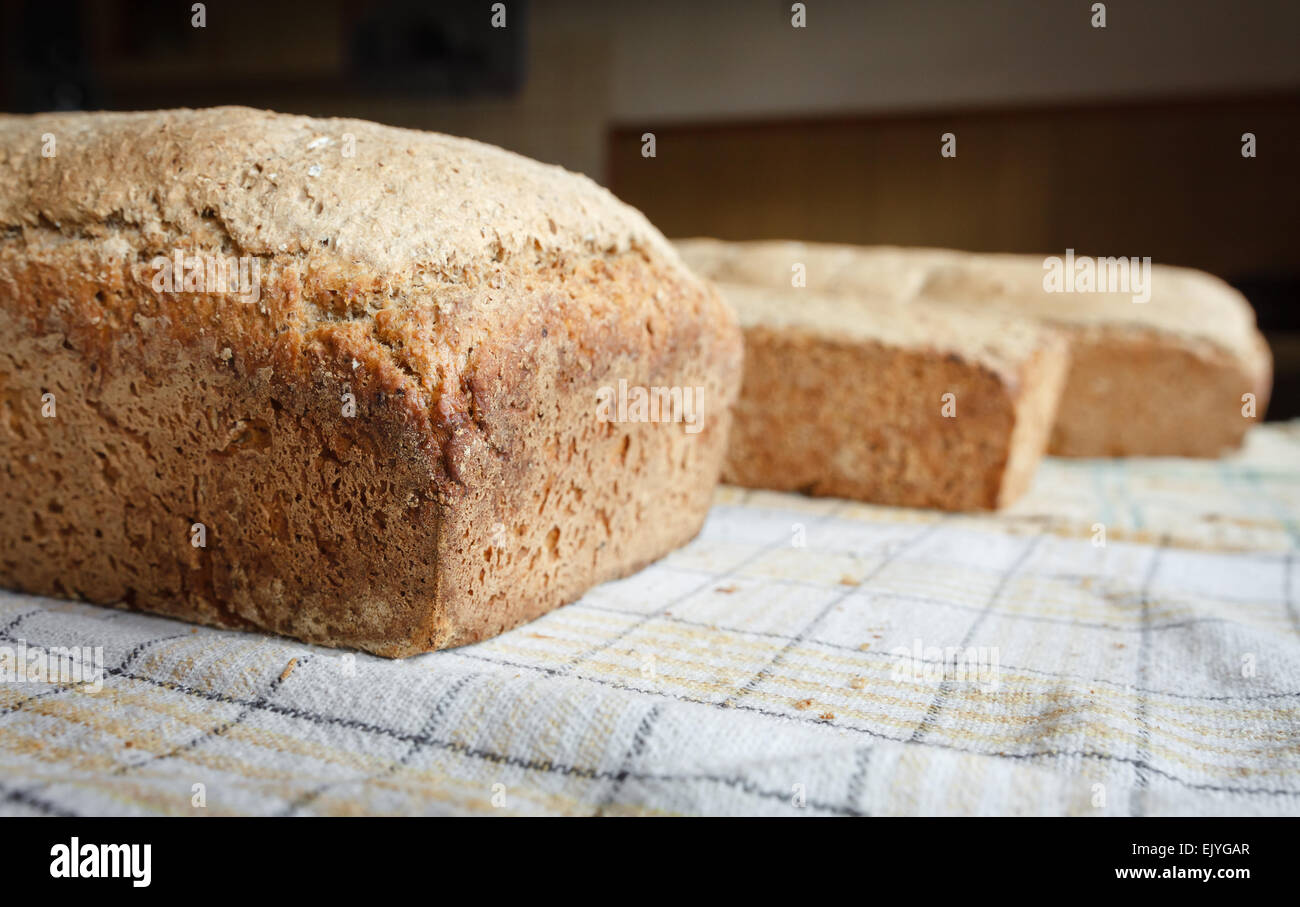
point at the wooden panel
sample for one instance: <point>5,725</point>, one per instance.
<point>1160,179</point>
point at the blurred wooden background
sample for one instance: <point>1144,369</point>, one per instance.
<point>1162,179</point>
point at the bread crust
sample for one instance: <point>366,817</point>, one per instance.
<point>467,302</point>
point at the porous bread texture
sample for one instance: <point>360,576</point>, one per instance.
<point>469,303</point>
<point>1161,378</point>
<point>848,397</point>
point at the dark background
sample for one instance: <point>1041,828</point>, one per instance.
<point>1117,141</point>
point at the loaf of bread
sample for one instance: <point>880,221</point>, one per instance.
<point>892,402</point>
<point>1181,372</point>
<point>338,381</point>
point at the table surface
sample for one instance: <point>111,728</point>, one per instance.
<point>1125,640</point>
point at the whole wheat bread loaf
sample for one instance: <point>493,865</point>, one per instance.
<point>390,439</point>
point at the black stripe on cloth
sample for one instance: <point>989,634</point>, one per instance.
<point>1137,795</point>
<point>749,787</point>
<point>23,798</point>
<point>862,759</point>
<point>931,715</point>
<point>440,708</point>
<point>712,580</point>
<point>13,624</point>
<point>126,663</point>
<point>813,624</point>
<point>640,737</point>
<point>218,731</point>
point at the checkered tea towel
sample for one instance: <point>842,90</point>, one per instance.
<point>1125,640</point>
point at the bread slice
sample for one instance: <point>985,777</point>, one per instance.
<point>902,403</point>
<point>390,438</point>
<point>1165,377</point>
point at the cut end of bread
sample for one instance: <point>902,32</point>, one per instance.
<point>894,404</point>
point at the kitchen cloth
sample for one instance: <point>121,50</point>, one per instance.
<point>1125,640</point>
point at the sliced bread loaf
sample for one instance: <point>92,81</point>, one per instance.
<point>1183,373</point>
